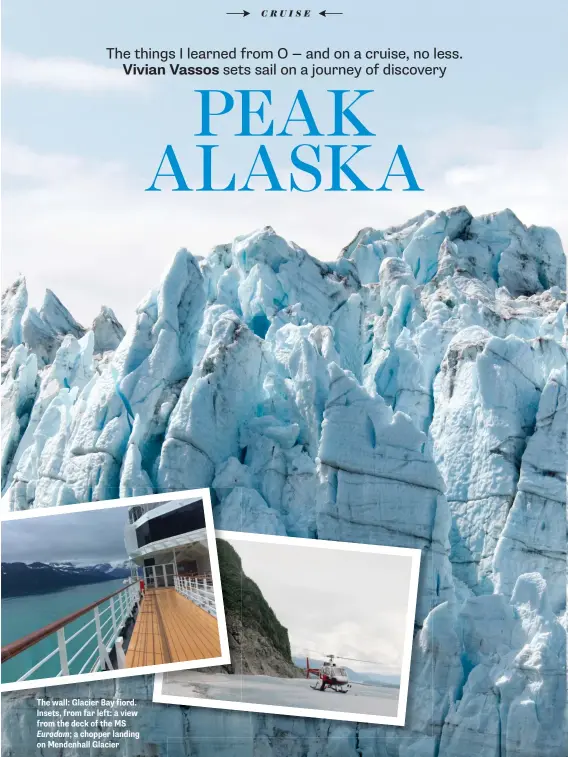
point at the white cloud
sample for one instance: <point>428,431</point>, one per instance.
<point>19,161</point>
<point>66,74</point>
<point>87,229</point>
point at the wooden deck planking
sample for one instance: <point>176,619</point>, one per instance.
<point>189,629</point>
<point>171,628</point>
<point>145,647</point>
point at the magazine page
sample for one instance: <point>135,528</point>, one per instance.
<point>283,379</point>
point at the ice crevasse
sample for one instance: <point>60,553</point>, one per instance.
<point>411,393</point>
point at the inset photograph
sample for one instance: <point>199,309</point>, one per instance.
<point>115,589</point>
<point>316,628</point>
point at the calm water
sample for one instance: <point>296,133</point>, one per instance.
<point>22,615</point>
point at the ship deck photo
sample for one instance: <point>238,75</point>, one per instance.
<point>165,606</point>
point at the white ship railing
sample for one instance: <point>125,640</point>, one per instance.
<point>199,589</point>
<point>105,626</point>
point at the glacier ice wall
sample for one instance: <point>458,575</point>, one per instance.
<point>411,393</point>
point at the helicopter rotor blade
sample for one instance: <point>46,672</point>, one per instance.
<point>340,657</point>
<point>355,659</point>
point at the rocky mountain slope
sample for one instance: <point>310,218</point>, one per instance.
<point>258,642</point>
<point>20,579</point>
<point>411,393</point>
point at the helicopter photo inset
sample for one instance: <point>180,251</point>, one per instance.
<point>287,598</point>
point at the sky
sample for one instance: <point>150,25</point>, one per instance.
<point>94,536</point>
<point>333,601</point>
<point>81,141</point>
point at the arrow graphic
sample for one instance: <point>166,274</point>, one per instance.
<point>325,14</point>
<point>239,13</point>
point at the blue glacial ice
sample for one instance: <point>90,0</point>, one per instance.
<point>413,393</point>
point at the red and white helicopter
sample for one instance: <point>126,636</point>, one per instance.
<point>330,675</point>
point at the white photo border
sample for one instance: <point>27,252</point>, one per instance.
<point>224,659</point>
<point>400,719</point>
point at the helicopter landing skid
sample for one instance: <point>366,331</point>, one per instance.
<point>330,688</point>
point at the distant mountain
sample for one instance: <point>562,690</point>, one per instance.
<point>373,679</point>
<point>21,579</point>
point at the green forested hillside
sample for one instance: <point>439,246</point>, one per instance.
<point>243,600</point>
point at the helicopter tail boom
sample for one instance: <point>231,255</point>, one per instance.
<point>311,671</point>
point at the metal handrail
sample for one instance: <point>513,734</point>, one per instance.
<point>199,590</point>
<point>121,605</point>
<point>206,576</point>
<point>20,645</point>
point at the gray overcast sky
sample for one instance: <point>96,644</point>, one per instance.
<point>86,538</point>
<point>334,601</point>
